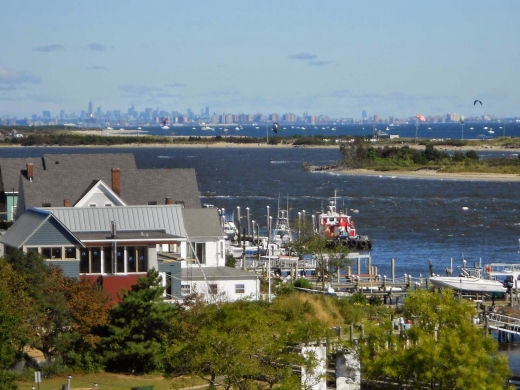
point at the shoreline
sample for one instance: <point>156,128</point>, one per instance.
<point>431,175</point>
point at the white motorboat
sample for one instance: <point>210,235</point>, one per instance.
<point>469,281</point>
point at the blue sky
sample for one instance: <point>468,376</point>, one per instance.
<point>334,58</point>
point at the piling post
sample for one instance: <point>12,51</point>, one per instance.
<point>384,282</point>
<point>238,224</point>
<point>359,265</point>
<point>349,271</point>
<point>393,270</point>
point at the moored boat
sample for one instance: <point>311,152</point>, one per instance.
<point>340,228</point>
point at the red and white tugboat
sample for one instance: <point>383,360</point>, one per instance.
<point>339,227</point>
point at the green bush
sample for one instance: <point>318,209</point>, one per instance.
<point>302,283</point>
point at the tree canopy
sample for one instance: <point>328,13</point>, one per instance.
<point>443,349</point>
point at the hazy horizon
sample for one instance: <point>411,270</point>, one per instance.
<point>335,58</point>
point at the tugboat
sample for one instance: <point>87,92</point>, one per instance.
<point>339,228</point>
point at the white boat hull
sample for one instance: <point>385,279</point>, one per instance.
<point>468,284</point>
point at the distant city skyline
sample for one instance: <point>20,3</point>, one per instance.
<point>334,59</point>
<point>149,115</point>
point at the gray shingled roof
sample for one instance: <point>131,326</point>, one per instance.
<point>10,168</point>
<point>202,223</point>
<point>91,161</point>
<point>138,186</point>
<point>167,218</point>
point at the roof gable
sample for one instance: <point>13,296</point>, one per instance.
<point>27,229</point>
<point>100,194</point>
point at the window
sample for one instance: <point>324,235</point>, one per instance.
<point>108,204</point>
<point>200,250</point>
<point>92,205</point>
<point>131,263</point>
<point>107,260</point>
<point>152,203</point>
<point>56,253</point>
<point>52,253</point>
<point>142,259</point>
<point>46,205</point>
<point>32,250</point>
<point>70,252</point>
<point>120,260</point>
<point>95,260</point>
<point>185,289</point>
<point>240,288</point>
<point>173,248</point>
<point>84,263</point>
<point>181,202</point>
<point>213,289</point>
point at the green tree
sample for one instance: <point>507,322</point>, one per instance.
<point>64,311</point>
<point>244,342</point>
<point>329,254</point>
<point>140,328</point>
<point>14,332</point>
<point>443,349</point>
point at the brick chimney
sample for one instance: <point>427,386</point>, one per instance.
<point>30,171</point>
<point>66,202</point>
<point>168,201</point>
<point>116,181</point>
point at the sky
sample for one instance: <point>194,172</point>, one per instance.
<point>330,57</point>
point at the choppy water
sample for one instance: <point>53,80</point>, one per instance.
<point>410,220</point>
<point>482,131</point>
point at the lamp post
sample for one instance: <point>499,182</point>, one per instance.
<point>268,226</point>
<point>248,223</point>
<point>299,223</point>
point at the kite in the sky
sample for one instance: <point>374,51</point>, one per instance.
<point>275,127</point>
<point>421,117</point>
<point>165,121</point>
<point>477,101</point>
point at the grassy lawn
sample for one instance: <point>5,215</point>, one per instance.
<point>106,381</point>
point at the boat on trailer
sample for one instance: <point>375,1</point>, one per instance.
<point>470,280</point>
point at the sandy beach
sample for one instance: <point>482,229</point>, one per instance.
<point>432,174</point>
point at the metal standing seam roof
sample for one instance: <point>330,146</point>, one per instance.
<point>195,273</point>
<point>127,218</point>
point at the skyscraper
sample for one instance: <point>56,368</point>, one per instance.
<point>90,108</point>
